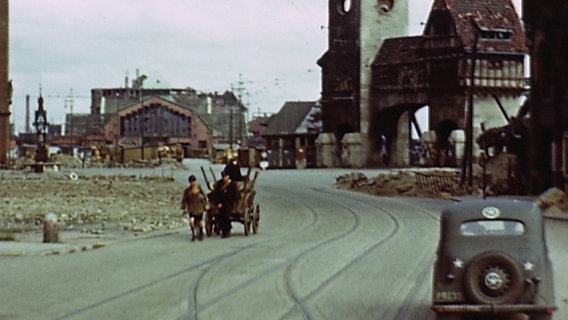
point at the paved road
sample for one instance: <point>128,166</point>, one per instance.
<point>320,253</point>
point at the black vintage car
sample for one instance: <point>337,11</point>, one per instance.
<point>492,261</point>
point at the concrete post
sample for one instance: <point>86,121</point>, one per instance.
<point>50,228</point>
<point>458,136</point>
<point>355,157</point>
<point>325,146</point>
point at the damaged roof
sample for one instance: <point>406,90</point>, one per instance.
<point>398,50</point>
<point>489,17</point>
<point>486,16</point>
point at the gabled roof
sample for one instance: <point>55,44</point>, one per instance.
<point>398,50</point>
<point>168,104</point>
<point>289,118</point>
<point>485,15</point>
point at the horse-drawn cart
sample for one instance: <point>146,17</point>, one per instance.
<point>244,211</point>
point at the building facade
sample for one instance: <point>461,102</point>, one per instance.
<point>157,121</point>
<point>374,79</point>
<point>357,29</point>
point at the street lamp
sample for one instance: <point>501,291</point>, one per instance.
<point>41,125</point>
<point>141,119</point>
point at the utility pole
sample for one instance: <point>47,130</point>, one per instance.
<point>467,166</point>
<point>141,120</point>
<point>242,122</point>
<point>5,86</point>
<point>69,103</point>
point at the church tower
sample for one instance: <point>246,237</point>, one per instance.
<point>356,31</point>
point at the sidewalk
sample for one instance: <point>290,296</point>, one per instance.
<point>72,241</point>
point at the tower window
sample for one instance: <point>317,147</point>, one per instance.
<point>385,6</point>
<point>344,6</point>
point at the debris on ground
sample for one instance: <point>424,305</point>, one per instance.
<point>66,161</point>
<point>435,183</point>
<point>94,204</point>
<point>554,201</point>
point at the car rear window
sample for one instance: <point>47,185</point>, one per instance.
<point>492,228</point>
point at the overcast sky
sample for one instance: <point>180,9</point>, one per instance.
<point>78,45</point>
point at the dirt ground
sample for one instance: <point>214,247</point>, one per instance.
<point>93,204</point>
<point>104,204</point>
<point>98,205</point>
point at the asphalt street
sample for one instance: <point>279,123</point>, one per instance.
<point>320,253</point>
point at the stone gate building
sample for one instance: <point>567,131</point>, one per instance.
<point>470,55</point>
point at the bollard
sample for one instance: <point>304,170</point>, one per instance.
<point>50,228</point>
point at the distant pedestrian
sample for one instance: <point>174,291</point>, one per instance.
<point>384,153</point>
<point>194,204</point>
<point>345,156</point>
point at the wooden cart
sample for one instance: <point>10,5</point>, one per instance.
<point>245,210</point>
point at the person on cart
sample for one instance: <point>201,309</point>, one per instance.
<point>225,193</point>
<point>234,170</point>
<point>194,203</point>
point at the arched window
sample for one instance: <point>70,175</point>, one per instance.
<point>344,6</point>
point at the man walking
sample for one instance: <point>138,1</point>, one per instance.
<point>193,203</point>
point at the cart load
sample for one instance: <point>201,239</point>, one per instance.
<point>244,209</point>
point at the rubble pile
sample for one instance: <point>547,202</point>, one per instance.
<point>428,184</point>
<point>67,161</point>
<point>553,201</point>
<point>91,204</point>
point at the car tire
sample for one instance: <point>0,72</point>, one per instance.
<point>493,278</point>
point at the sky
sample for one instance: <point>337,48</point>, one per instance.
<point>269,48</point>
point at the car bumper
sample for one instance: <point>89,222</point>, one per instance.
<point>488,308</point>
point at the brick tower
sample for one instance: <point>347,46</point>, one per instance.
<point>356,31</point>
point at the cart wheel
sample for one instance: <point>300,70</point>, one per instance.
<point>208,224</point>
<point>246,221</point>
<point>255,219</point>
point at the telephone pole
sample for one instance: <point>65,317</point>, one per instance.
<point>242,118</point>
<point>5,86</point>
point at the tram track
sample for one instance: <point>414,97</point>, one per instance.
<point>250,281</point>
<point>195,306</point>
<point>321,253</point>
<point>284,265</point>
<point>383,241</point>
<point>288,266</point>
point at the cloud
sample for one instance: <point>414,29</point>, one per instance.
<point>80,45</point>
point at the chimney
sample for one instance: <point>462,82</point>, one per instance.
<point>28,129</point>
<point>5,86</point>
